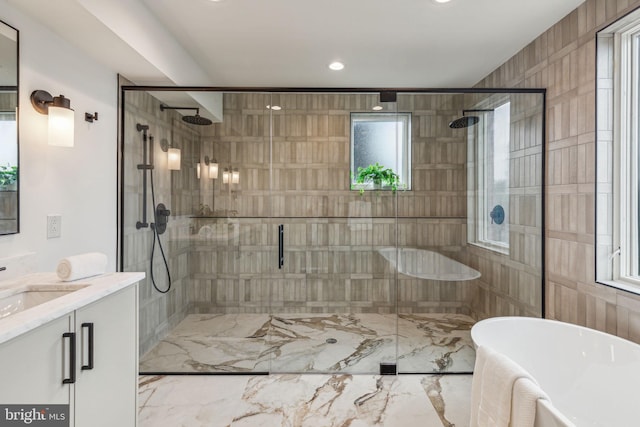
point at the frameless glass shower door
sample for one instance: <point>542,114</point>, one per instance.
<point>333,300</point>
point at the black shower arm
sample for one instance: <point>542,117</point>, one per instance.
<point>477,111</point>
<point>166,107</point>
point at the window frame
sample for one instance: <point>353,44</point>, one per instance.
<point>477,181</point>
<point>617,163</point>
<point>403,149</point>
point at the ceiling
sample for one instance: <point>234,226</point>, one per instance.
<point>289,43</point>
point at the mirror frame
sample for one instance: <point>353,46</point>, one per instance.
<point>17,89</point>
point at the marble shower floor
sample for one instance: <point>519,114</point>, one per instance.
<point>304,400</point>
<point>287,343</point>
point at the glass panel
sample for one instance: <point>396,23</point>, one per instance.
<point>212,314</point>
<point>448,276</point>
<point>434,275</point>
<point>333,303</point>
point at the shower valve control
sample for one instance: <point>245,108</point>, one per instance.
<point>162,217</point>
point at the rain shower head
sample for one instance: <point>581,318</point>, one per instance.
<point>194,120</point>
<point>197,120</point>
<point>466,121</point>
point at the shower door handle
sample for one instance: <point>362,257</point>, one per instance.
<point>280,246</point>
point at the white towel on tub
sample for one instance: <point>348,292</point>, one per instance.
<point>492,389</point>
<point>526,393</point>
<point>81,266</point>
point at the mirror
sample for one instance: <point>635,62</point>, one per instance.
<point>9,159</point>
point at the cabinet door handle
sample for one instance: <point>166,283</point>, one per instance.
<point>72,358</point>
<point>89,365</point>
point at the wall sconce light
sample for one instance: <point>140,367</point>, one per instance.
<point>61,121</point>
<point>225,176</point>
<point>213,167</point>
<point>198,170</point>
<point>235,176</point>
<point>173,155</point>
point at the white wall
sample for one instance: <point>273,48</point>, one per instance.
<point>80,182</point>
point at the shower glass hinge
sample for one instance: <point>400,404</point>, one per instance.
<point>388,368</point>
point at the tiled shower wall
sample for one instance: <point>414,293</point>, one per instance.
<point>563,60</point>
<point>332,233</point>
<point>178,190</point>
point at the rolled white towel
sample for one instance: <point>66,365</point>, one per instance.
<point>81,266</point>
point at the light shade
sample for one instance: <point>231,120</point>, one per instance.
<point>235,177</point>
<point>198,170</point>
<point>225,176</point>
<point>213,170</point>
<point>61,126</point>
<point>173,159</point>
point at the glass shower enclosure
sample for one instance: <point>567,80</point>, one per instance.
<point>328,231</point>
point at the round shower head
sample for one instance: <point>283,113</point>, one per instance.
<point>464,122</point>
<point>197,120</point>
<point>194,120</point>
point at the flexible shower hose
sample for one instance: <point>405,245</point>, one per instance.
<point>156,236</point>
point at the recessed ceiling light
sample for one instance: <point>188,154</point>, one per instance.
<point>274,108</point>
<point>377,108</point>
<point>441,1</point>
<point>336,66</point>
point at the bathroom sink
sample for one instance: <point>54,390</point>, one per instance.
<point>15,300</point>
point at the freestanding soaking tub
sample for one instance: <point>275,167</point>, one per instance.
<point>592,378</point>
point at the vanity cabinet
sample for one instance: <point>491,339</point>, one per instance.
<point>107,372</point>
<point>34,366</point>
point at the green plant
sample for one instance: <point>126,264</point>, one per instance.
<point>378,175</point>
<point>8,175</point>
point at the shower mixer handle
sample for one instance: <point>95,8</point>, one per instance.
<point>162,217</point>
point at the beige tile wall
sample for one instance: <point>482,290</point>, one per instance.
<point>332,233</point>
<point>563,60</point>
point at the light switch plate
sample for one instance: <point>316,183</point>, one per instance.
<point>54,226</point>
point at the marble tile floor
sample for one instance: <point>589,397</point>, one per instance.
<point>317,343</point>
<point>301,400</point>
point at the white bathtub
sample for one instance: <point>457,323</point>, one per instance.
<point>592,378</point>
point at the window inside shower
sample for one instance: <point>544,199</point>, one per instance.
<point>384,139</point>
<point>275,264</point>
<point>490,184</point>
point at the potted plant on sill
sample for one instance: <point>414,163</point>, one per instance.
<point>8,178</point>
<point>378,176</point>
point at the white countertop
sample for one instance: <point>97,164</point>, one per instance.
<point>96,287</point>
